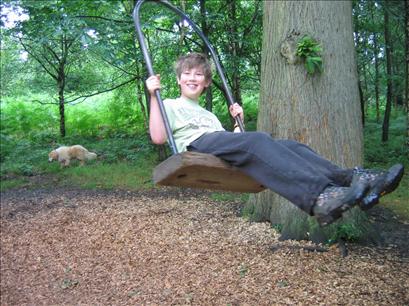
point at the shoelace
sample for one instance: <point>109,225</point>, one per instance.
<point>369,175</point>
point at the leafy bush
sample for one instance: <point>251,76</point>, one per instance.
<point>22,157</point>
<point>355,228</point>
<point>84,122</point>
<point>29,156</point>
<point>22,118</point>
<point>250,108</point>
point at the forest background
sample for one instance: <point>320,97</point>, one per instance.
<point>72,73</point>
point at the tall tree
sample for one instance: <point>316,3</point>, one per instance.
<point>206,32</point>
<point>320,110</point>
<point>53,41</point>
<point>375,39</point>
<point>358,44</point>
<point>388,55</point>
<point>234,50</point>
<point>59,40</point>
<point>407,57</point>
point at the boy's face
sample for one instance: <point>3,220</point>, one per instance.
<point>192,82</point>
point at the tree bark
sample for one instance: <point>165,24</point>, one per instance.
<point>61,109</point>
<point>388,107</point>
<point>407,59</point>
<point>321,110</point>
<point>61,99</point>
<point>205,30</point>
<point>358,44</point>
<point>375,41</point>
<point>234,51</point>
<point>361,102</point>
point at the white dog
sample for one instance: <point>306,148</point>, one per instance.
<point>65,154</point>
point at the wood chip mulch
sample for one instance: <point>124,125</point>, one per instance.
<point>71,247</point>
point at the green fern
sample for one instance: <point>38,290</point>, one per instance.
<point>310,51</point>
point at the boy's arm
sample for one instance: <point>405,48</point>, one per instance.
<point>157,129</point>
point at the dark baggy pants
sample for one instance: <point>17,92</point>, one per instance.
<point>287,167</point>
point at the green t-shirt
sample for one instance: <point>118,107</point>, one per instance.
<point>188,121</point>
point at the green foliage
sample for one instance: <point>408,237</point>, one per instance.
<point>22,157</point>
<point>12,183</point>
<point>250,107</point>
<point>310,51</point>
<point>355,227</point>
<point>104,116</point>
<point>27,138</point>
<point>84,122</point>
<point>383,154</point>
<point>21,117</point>
<point>123,112</point>
<point>369,24</point>
<point>229,196</point>
<point>13,69</point>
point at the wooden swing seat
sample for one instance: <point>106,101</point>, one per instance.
<point>205,171</point>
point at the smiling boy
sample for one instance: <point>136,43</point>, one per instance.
<point>287,167</point>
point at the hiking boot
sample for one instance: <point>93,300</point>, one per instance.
<point>381,182</point>
<point>334,201</point>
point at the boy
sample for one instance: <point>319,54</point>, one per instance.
<point>287,167</point>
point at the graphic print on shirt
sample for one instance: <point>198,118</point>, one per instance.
<point>196,120</point>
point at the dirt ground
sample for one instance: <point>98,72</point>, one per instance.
<point>177,247</point>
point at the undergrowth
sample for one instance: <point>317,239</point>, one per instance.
<point>382,155</point>
<point>123,162</point>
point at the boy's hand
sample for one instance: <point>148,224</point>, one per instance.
<point>153,83</point>
<point>236,110</point>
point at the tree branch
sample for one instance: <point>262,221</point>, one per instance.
<point>27,49</point>
<point>102,91</point>
<point>103,18</point>
<point>251,25</point>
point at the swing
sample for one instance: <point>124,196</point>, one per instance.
<point>193,169</point>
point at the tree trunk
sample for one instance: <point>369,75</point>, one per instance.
<point>357,41</point>
<point>375,41</point>
<point>321,110</point>
<point>205,30</point>
<point>362,103</point>
<point>61,102</point>
<point>62,115</point>
<point>407,59</point>
<point>373,8</point>
<point>234,52</point>
<point>386,116</point>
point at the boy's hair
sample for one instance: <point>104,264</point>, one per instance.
<point>193,60</point>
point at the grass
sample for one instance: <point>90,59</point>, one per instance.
<point>120,175</point>
<point>398,201</point>
<point>12,183</point>
<point>229,196</point>
<point>122,163</point>
<point>383,155</point>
